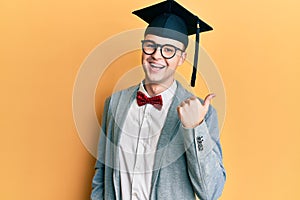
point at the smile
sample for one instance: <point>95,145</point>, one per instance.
<point>156,66</point>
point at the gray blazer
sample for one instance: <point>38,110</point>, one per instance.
<point>188,162</point>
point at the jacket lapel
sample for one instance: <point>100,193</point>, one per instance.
<point>169,131</point>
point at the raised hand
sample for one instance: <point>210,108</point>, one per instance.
<point>191,112</point>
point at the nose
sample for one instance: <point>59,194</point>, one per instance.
<point>157,53</point>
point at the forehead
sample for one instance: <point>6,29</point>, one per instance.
<point>163,40</point>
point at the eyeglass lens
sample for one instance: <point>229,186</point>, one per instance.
<point>166,50</point>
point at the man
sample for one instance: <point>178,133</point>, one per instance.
<point>158,141</point>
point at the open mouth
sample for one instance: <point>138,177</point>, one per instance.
<point>156,66</point>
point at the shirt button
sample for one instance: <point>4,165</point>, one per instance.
<point>137,167</point>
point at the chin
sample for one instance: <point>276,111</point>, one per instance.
<point>153,81</point>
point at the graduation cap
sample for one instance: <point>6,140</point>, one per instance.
<point>177,23</point>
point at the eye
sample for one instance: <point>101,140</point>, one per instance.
<point>150,45</point>
<point>169,49</point>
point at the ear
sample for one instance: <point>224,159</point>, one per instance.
<point>182,58</point>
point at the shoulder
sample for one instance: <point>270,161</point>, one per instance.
<point>124,95</point>
<point>182,93</point>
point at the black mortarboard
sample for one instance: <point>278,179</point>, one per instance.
<point>177,23</point>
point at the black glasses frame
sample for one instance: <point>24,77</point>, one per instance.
<point>161,48</point>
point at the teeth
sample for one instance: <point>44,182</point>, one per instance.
<point>157,66</point>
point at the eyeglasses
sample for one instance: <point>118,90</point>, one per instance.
<point>167,51</point>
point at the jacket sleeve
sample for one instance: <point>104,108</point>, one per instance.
<point>98,179</point>
<point>204,157</point>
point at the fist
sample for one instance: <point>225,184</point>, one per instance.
<point>191,112</point>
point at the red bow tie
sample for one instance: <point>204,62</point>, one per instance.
<point>142,99</point>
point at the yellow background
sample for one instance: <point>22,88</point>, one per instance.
<point>255,45</point>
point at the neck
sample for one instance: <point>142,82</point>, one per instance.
<point>154,89</point>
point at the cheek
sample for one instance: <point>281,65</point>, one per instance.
<point>144,58</point>
<point>172,64</point>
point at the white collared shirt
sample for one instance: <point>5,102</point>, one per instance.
<point>138,142</point>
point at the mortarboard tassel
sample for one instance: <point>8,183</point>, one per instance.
<point>193,79</point>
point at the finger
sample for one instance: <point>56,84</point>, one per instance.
<point>179,108</point>
<point>193,97</point>
<point>207,99</point>
<point>187,101</point>
<point>182,104</point>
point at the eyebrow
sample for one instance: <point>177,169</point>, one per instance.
<point>183,49</point>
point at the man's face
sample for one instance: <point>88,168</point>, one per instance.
<point>158,69</point>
